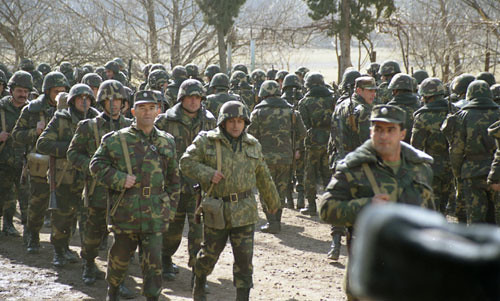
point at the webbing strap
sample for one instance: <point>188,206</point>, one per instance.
<point>371,178</point>
<point>129,171</point>
<point>219,163</point>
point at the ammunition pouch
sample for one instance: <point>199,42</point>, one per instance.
<point>213,212</point>
<point>38,164</point>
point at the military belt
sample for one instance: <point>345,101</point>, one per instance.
<point>144,191</point>
<point>235,197</point>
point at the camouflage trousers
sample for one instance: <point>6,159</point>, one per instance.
<point>121,252</point>
<point>172,238</point>
<point>38,203</point>
<point>95,229</point>
<point>480,202</point>
<point>316,169</point>
<point>281,177</point>
<point>12,190</point>
<point>442,185</point>
<point>459,200</point>
<point>64,218</point>
<point>299,172</point>
<point>242,240</point>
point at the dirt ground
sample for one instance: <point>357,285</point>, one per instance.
<point>289,266</point>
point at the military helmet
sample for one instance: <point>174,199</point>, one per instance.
<point>5,70</point>
<point>238,77</point>
<point>111,89</point>
<point>420,75</point>
<point>54,79</point>
<point>232,109</point>
<point>44,68</point>
<point>212,70</point>
<point>349,78</point>
<point>26,65</point>
<point>431,86</point>
<point>92,80</point>
<point>192,70</point>
<point>88,68</point>
<point>488,77</point>
<point>113,66</point>
<point>292,81</point>
<point>389,68</point>
<point>495,91</point>
<point>21,79</point>
<point>373,68</point>
<point>157,78</point>
<point>179,73</point>
<point>190,87</point>
<point>120,62</point>
<point>314,79</point>
<point>130,96</point>
<point>302,71</point>
<point>478,89</point>
<point>146,69</point>
<point>80,89</point>
<point>220,80</point>
<point>401,81</point>
<point>271,74</point>
<point>66,67</point>
<point>101,71</point>
<point>157,67</point>
<point>240,67</point>
<point>281,75</point>
<point>258,76</point>
<point>3,78</point>
<point>460,83</point>
<point>269,88</point>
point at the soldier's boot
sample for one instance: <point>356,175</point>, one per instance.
<point>310,209</point>
<point>33,245</point>
<point>242,294</point>
<point>113,293</point>
<point>168,271</point>
<point>125,292</point>
<point>300,200</point>
<point>272,226</point>
<point>289,200</point>
<point>89,272</point>
<point>8,225</point>
<point>104,243</point>
<point>59,260</point>
<point>334,252</point>
<point>199,293</point>
<point>26,234</point>
<point>192,282</point>
<point>70,255</point>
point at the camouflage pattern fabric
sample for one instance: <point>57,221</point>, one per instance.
<point>409,103</point>
<point>349,190</point>
<point>214,102</point>
<point>171,92</point>
<point>384,95</point>
<point>247,94</point>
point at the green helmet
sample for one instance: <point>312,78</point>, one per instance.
<point>27,65</point>
<point>179,73</point>
<point>281,75</point>
<point>271,74</point>
<point>238,77</point>
<point>92,80</point>
<point>232,109</point>
<point>420,75</point>
<point>389,68</point>
<point>495,91</point>
<point>401,81</point>
<point>192,71</point>
<point>349,79</point>
<point>21,79</point>
<point>157,67</point>
<point>258,76</point>
<point>478,89</point>
<point>80,89</point>
<point>5,70</point>
<point>101,71</point>
<point>120,62</point>
<point>460,83</point>
<point>302,71</point>
<point>66,68</point>
<point>190,87</point>
<point>157,78</point>
<point>220,80</point>
<point>111,89</point>
<point>487,77</point>
<point>212,70</point>
<point>269,88</point>
<point>373,68</point>
<point>240,67</point>
<point>88,68</point>
<point>54,79</point>
<point>431,86</point>
<point>113,66</point>
<point>292,81</point>
<point>44,68</point>
<point>314,79</point>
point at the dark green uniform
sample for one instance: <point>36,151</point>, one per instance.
<point>214,102</point>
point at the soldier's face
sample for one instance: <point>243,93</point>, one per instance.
<point>367,94</point>
<point>235,126</point>
<point>109,74</point>
<point>117,105</point>
<point>191,103</point>
<point>81,104</point>
<point>54,91</point>
<point>19,96</point>
<point>145,114</point>
<point>386,138</point>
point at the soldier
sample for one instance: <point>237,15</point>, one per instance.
<point>471,151</point>
<point>145,72</point>
<point>112,70</point>
<point>67,69</point>
<point>209,74</point>
<point>372,70</point>
<point>347,84</point>
<point>54,142</point>
<point>494,175</point>
<point>158,81</point>
<point>459,87</point>
<point>85,142</point>
<point>427,136</point>
<point>488,77</point>
<point>179,74</point>
<point>240,67</point>
<point>184,121</point>
<point>402,86</point>
<point>220,86</point>
<point>383,169</point>
<point>93,80</point>
<point>43,68</point>
<point>12,152</point>
<point>420,76</point>
<point>280,77</point>
<point>28,66</point>
<point>241,87</point>
<point>271,74</point>
<point>228,163</point>
<point>316,109</point>
<point>387,71</point>
<point>495,92</point>
<point>29,126</point>
<point>101,71</point>
<point>138,164</point>
<point>3,85</point>
<point>193,72</point>
<point>5,70</point>
<point>278,127</point>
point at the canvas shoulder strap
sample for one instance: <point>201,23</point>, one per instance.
<point>219,162</point>
<point>371,178</point>
<point>93,123</point>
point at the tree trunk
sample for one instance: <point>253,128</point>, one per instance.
<point>345,36</point>
<point>222,50</point>
<point>153,33</point>
<point>450,36</point>
<point>175,47</point>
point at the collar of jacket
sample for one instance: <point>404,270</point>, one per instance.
<point>360,100</point>
<point>41,103</point>
<point>6,104</point>
<point>439,104</point>
<point>319,91</point>
<point>274,102</point>
<point>217,134</point>
<point>480,103</point>
<point>406,98</point>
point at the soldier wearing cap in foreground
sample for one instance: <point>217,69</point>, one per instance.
<point>139,166</point>
<point>228,163</point>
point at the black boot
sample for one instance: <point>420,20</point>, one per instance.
<point>310,209</point>
<point>242,294</point>
<point>192,283</point>
<point>199,293</point>
<point>300,200</point>
<point>334,252</point>
<point>26,235</point>
<point>272,226</point>
<point>89,272</point>
<point>8,225</point>
<point>113,293</point>
<point>125,292</point>
<point>59,260</point>
<point>33,243</point>
<point>289,199</point>
<point>71,256</point>
<point>168,270</point>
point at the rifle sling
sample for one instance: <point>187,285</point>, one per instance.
<point>126,156</point>
<point>371,178</point>
<point>219,163</point>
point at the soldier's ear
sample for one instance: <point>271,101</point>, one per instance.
<point>132,111</point>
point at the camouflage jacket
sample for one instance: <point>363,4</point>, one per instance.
<point>349,190</point>
<point>214,102</point>
<point>316,109</point>
<point>148,206</point>
<point>243,170</point>
<point>184,129</point>
<point>171,93</point>
<point>11,154</point>
<point>410,104</point>
<point>271,124</point>
<point>494,175</point>
<point>83,146</point>
<point>384,95</point>
<point>292,98</point>
<point>37,80</point>
<point>247,94</point>
<point>471,149</point>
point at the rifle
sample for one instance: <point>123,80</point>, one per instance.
<point>197,212</point>
<point>52,182</point>
<point>294,120</point>
<point>129,71</point>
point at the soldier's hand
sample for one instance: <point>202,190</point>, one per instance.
<point>3,136</point>
<point>495,187</point>
<point>297,155</point>
<point>40,125</point>
<point>129,181</point>
<point>217,177</point>
<point>381,198</point>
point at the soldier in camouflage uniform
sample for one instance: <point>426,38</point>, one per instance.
<point>347,84</point>
<point>67,69</point>
<point>28,66</point>
<point>220,86</point>
<point>93,80</point>
<point>3,85</point>
<point>372,70</point>
<point>316,109</point>
<point>43,68</point>
<point>488,77</point>
<point>145,71</point>
<point>271,74</point>
<point>280,77</point>
<point>209,74</point>
<point>459,87</point>
<point>495,93</point>
<point>471,151</point>
<point>240,67</point>
<point>179,74</point>
<point>158,81</point>
<point>420,76</point>
<point>258,76</point>
<point>229,207</point>
<point>138,164</point>
<point>241,87</point>
<point>278,127</point>
<point>112,70</point>
<point>494,174</point>
<point>427,136</point>
<point>402,86</point>
<point>193,72</point>
<point>184,121</point>
<point>12,153</point>
<point>29,126</point>
<point>387,71</point>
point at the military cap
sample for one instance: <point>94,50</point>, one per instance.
<point>179,73</point>
<point>420,75</point>
<point>478,89</point>
<point>388,113</point>
<point>258,76</point>
<point>145,97</point>
<point>5,70</point>
<point>101,71</point>
<point>54,79</point>
<point>3,78</point>
<point>291,80</point>
<point>92,80</point>
<point>110,89</point>
<point>238,77</point>
<point>192,70</point>
<point>66,67</point>
<point>220,80</point>
<point>487,77</point>
<point>349,78</point>
<point>145,69</point>
<point>88,67</point>
<point>365,82</point>
<point>373,68</point>
<point>431,86</point>
<point>21,79</point>
<point>495,91</point>
<point>314,79</point>
<point>80,89</point>
<point>460,83</point>
<point>157,66</point>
